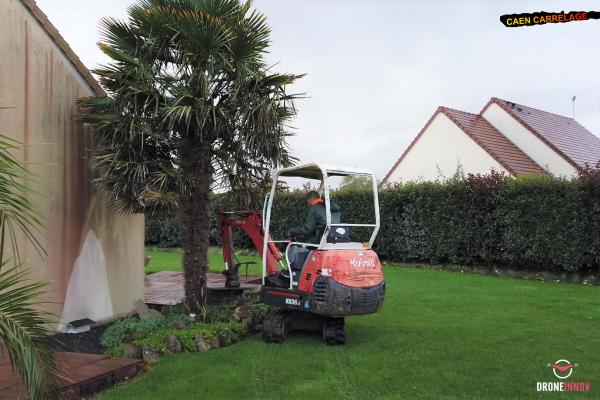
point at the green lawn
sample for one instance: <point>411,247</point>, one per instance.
<point>440,335</point>
<point>171,261</point>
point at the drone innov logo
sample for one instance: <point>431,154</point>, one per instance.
<point>563,369</point>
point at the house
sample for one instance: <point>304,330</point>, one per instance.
<point>94,260</point>
<point>504,136</point>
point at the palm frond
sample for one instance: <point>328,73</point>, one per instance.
<point>24,328</point>
<point>186,69</point>
<point>17,212</point>
<point>24,333</point>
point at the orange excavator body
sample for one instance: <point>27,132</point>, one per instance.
<point>330,283</point>
<point>318,284</point>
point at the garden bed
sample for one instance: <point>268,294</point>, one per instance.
<point>150,333</point>
<point>86,342</point>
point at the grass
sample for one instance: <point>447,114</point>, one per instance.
<point>440,335</point>
<point>171,261</point>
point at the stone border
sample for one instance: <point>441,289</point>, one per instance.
<point>583,278</point>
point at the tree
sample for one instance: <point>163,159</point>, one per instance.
<point>24,333</point>
<point>192,105</point>
<point>355,184</point>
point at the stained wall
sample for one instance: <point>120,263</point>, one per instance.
<point>94,258</point>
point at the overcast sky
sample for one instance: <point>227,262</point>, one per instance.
<point>377,70</point>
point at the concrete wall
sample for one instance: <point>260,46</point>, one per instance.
<point>95,258</point>
<point>441,148</point>
<point>530,144</point>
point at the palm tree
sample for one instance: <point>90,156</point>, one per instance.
<point>192,105</point>
<point>24,328</point>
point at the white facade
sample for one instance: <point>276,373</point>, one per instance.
<point>439,151</point>
<point>529,143</point>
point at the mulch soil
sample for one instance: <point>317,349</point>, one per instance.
<point>87,342</point>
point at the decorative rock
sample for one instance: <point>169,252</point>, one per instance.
<point>528,275</point>
<point>141,309</point>
<point>215,343</point>
<point>145,313</point>
<point>563,277</point>
<point>454,268</point>
<point>579,277</point>
<point>546,276</point>
<point>155,314</point>
<point>179,325</point>
<point>254,290</point>
<point>242,312</point>
<point>588,280</point>
<point>250,297</point>
<point>201,344</point>
<point>147,260</point>
<point>239,336</point>
<point>130,350</point>
<point>224,339</point>
<point>248,324</point>
<point>150,355</point>
<point>510,272</point>
<point>173,345</point>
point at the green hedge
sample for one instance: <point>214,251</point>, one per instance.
<point>536,222</point>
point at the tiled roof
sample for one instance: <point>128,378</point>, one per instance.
<point>495,143</point>
<point>487,137</point>
<point>564,135</point>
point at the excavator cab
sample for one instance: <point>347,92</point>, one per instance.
<point>313,286</point>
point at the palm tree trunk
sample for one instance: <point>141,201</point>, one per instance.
<point>195,223</point>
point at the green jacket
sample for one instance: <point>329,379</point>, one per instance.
<point>313,227</point>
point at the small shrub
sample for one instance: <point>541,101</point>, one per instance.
<point>173,318</point>
<point>157,339</point>
<point>153,333</point>
<point>221,314</point>
<point>129,329</point>
<point>116,351</point>
<point>259,312</point>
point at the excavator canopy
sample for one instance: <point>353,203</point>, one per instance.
<point>317,171</point>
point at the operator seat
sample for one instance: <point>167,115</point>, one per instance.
<point>298,255</point>
<point>337,234</point>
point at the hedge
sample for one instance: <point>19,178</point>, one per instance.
<point>535,222</point>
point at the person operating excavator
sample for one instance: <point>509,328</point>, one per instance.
<point>316,219</point>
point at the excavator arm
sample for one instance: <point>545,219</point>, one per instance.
<point>250,222</point>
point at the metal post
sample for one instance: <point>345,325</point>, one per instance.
<point>376,205</point>
<point>266,235</point>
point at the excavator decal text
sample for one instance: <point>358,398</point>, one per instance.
<point>365,263</point>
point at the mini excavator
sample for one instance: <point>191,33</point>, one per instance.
<point>310,286</point>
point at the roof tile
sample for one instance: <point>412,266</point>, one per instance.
<point>494,142</point>
<point>563,134</point>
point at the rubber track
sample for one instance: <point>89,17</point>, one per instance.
<point>276,325</point>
